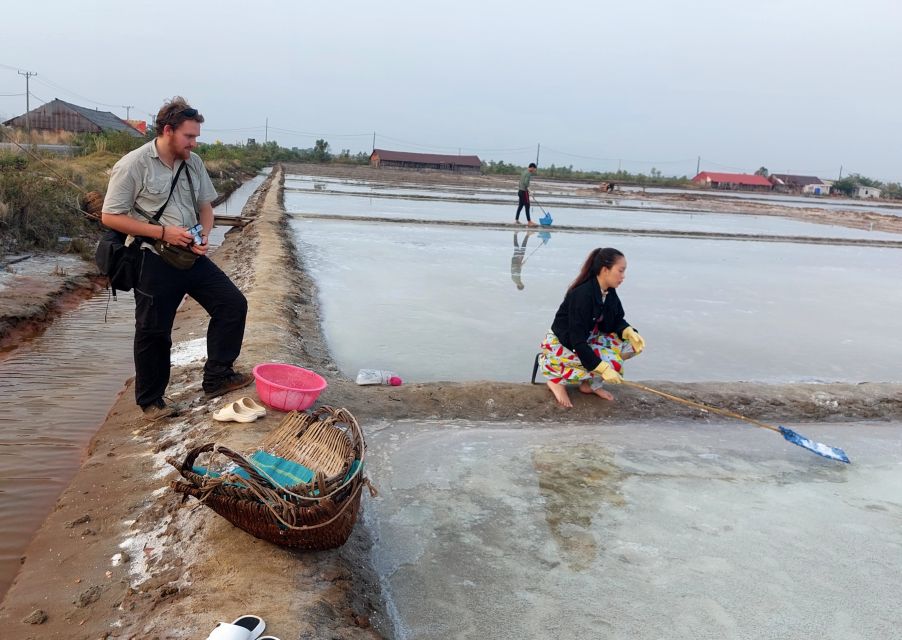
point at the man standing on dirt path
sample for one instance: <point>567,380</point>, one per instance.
<point>523,194</point>
<point>164,177</point>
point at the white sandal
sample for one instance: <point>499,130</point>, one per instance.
<point>234,412</point>
<point>244,628</point>
<point>250,405</point>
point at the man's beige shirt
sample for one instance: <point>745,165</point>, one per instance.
<point>140,178</point>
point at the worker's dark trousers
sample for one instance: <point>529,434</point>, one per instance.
<point>160,290</point>
<point>523,197</point>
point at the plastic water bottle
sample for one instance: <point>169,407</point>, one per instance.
<point>378,376</point>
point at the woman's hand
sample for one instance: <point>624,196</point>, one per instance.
<point>608,374</point>
<point>637,341</point>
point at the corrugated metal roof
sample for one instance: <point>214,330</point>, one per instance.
<point>798,181</point>
<point>746,179</point>
<point>59,114</point>
<point>427,158</point>
<point>103,119</point>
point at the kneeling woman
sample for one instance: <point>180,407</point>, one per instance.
<point>589,338</point>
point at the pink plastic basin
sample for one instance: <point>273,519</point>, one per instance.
<point>286,387</point>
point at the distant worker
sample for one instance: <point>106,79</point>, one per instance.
<point>518,259</point>
<point>590,338</point>
<point>523,194</point>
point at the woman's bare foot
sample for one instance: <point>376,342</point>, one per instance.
<point>560,394</point>
<point>586,388</point>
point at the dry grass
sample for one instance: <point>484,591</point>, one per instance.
<point>91,172</point>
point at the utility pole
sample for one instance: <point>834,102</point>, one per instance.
<point>266,135</point>
<point>374,143</point>
<point>128,110</point>
<point>698,165</point>
<point>27,75</point>
<point>840,172</point>
<point>538,148</point>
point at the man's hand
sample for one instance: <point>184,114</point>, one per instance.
<point>92,203</point>
<point>201,249</point>
<point>179,236</point>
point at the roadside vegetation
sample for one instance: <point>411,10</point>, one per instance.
<point>39,211</point>
<point>654,178</point>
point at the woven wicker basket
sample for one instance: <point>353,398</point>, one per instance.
<point>315,515</point>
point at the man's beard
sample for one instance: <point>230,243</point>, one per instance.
<point>179,152</point>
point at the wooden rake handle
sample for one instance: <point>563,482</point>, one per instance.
<point>702,406</point>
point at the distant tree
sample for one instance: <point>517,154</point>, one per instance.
<point>762,171</point>
<point>321,151</point>
<point>892,190</point>
<point>847,186</point>
<point>864,181</point>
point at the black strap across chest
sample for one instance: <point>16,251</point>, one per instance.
<point>175,180</point>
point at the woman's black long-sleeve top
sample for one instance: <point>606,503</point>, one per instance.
<point>578,314</point>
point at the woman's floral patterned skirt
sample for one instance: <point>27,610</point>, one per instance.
<point>561,366</point>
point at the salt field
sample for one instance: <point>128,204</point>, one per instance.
<point>442,302</point>
<point>647,530</point>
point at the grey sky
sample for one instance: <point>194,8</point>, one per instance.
<point>799,86</point>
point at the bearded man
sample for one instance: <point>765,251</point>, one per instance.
<point>161,196</point>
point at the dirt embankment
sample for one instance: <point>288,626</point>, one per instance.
<point>122,557</point>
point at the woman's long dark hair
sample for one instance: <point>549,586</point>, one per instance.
<point>597,259</point>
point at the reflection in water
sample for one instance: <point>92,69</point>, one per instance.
<point>519,258</point>
<point>576,481</point>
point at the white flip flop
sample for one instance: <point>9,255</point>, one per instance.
<point>244,628</point>
<point>234,412</point>
<point>250,405</point>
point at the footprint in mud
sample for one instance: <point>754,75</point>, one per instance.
<point>576,481</point>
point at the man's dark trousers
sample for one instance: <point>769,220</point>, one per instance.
<point>522,201</point>
<point>158,295</point>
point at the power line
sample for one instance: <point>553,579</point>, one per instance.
<point>60,87</point>
<point>655,162</point>
<point>210,129</point>
<point>723,166</point>
<point>322,135</point>
<point>54,85</point>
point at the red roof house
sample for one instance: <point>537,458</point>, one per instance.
<point>733,181</point>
